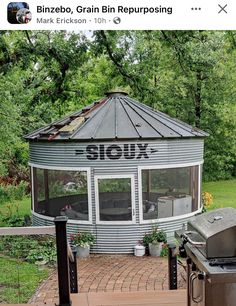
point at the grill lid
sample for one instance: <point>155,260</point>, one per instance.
<point>218,229</point>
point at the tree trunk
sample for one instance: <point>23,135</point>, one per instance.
<point>198,99</point>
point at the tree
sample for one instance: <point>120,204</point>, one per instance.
<point>189,75</point>
<point>183,73</point>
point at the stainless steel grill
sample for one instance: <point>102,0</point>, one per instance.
<point>210,246</point>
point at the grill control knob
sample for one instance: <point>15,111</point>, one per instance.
<point>182,251</point>
<point>201,275</point>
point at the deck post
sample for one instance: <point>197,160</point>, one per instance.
<point>73,274</point>
<point>62,261</point>
<point>172,266</point>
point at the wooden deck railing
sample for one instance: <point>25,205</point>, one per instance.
<point>66,261</point>
<point>27,231</point>
<point>64,254</point>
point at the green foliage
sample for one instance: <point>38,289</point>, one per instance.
<point>10,192</point>
<point>33,249</point>
<point>12,221</point>
<point>164,250</point>
<point>44,252</point>
<point>187,74</point>
<point>58,189</point>
<point>21,208</point>
<point>12,215</point>
<point>9,118</point>
<point>83,239</point>
<point>114,185</point>
<point>30,248</point>
<point>155,236</point>
<point>220,147</point>
<point>19,280</point>
<point>223,193</point>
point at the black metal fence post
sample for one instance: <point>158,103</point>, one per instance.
<point>62,261</point>
<point>73,274</point>
<point>172,265</point>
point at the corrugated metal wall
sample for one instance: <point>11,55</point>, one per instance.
<point>71,154</point>
<point>116,238</point>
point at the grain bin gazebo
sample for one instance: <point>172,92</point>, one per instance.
<point>116,168</point>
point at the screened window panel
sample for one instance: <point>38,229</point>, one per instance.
<point>115,199</point>
<point>65,193</point>
<point>169,192</point>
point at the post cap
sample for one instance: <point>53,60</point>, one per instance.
<point>61,219</point>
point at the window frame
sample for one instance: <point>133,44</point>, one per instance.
<point>96,188</point>
<point>88,171</point>
<point>170,166</point>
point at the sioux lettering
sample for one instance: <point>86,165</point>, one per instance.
<point>114,151</point>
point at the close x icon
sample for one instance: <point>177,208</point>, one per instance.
<point>223,8</point>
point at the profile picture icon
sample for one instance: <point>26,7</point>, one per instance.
<point>18,13</point>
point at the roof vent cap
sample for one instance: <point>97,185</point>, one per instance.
<point>114,94</point>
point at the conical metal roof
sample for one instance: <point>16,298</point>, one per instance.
<point>119,117</point>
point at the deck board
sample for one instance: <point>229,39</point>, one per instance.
<point>35,304</point>
<point>140,298</point>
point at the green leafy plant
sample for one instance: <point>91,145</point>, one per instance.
<point>31,248</point>
<point>11,217</point>
<point>14,191</point>
<point>155,236</point>
<point>45,253</point>
<point>13,220</point>
<point>83,239</point>
<point>164,251</point>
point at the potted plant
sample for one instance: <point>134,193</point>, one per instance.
<point>154,241</point>
<point>82,241</point>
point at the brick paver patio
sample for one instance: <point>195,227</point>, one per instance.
<point>114,273</point>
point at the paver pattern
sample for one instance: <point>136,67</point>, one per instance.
<point>114,273</point>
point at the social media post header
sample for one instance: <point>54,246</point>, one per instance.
<point>118,15</point>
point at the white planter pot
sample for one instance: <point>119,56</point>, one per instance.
<point>155,249</point>
<point>139,250</point>
<point>83,252</point>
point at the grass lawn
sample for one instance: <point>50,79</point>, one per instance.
<point>19,280</point>
<point>24,206</point>
<point>224,193</point>
<point>21,207</point>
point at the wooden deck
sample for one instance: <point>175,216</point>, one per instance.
<point>139,298</point>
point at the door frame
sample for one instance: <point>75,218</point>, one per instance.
<point>114,176</point>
